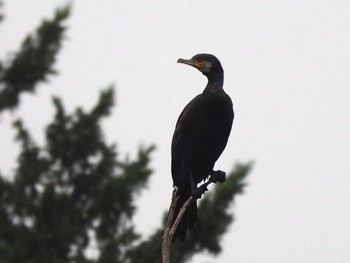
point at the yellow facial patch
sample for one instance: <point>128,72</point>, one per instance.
<point>200,65</point>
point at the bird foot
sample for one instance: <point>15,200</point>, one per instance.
<point>217,177</point>
<point>198,192</point>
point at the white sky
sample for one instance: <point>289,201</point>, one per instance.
<point>287,69</point>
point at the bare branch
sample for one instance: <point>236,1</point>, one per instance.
<point>171,225</point>
<point>166,238</point>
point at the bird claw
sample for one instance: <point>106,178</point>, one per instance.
<point>218,177</point>
<point>215,177</point>
<point>198,192</point>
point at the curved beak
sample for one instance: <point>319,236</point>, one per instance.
<point>193,63</point>
<point>186,61</point>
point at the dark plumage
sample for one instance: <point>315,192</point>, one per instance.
<point>200,136</point>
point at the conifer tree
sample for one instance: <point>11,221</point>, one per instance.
<point>76,193</point>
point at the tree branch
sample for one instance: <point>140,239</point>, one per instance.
<point>167,236</point>
<point>170,228</point>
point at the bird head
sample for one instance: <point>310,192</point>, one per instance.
<point>208,64</point>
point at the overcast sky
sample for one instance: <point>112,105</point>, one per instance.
<point>287,69</point>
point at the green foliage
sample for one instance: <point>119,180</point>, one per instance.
<point>1,15</point>
<point>71,190</point>
<point>34,62</point>
<point>75,195</point>
<point>214,218</point>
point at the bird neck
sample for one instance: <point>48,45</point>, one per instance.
<point>214,85</point>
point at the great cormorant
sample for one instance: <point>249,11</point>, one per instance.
<point>200,136</point>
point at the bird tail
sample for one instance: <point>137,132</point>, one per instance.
<point>189,218</point>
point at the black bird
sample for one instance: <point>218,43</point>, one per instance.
<point>200,136</point>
